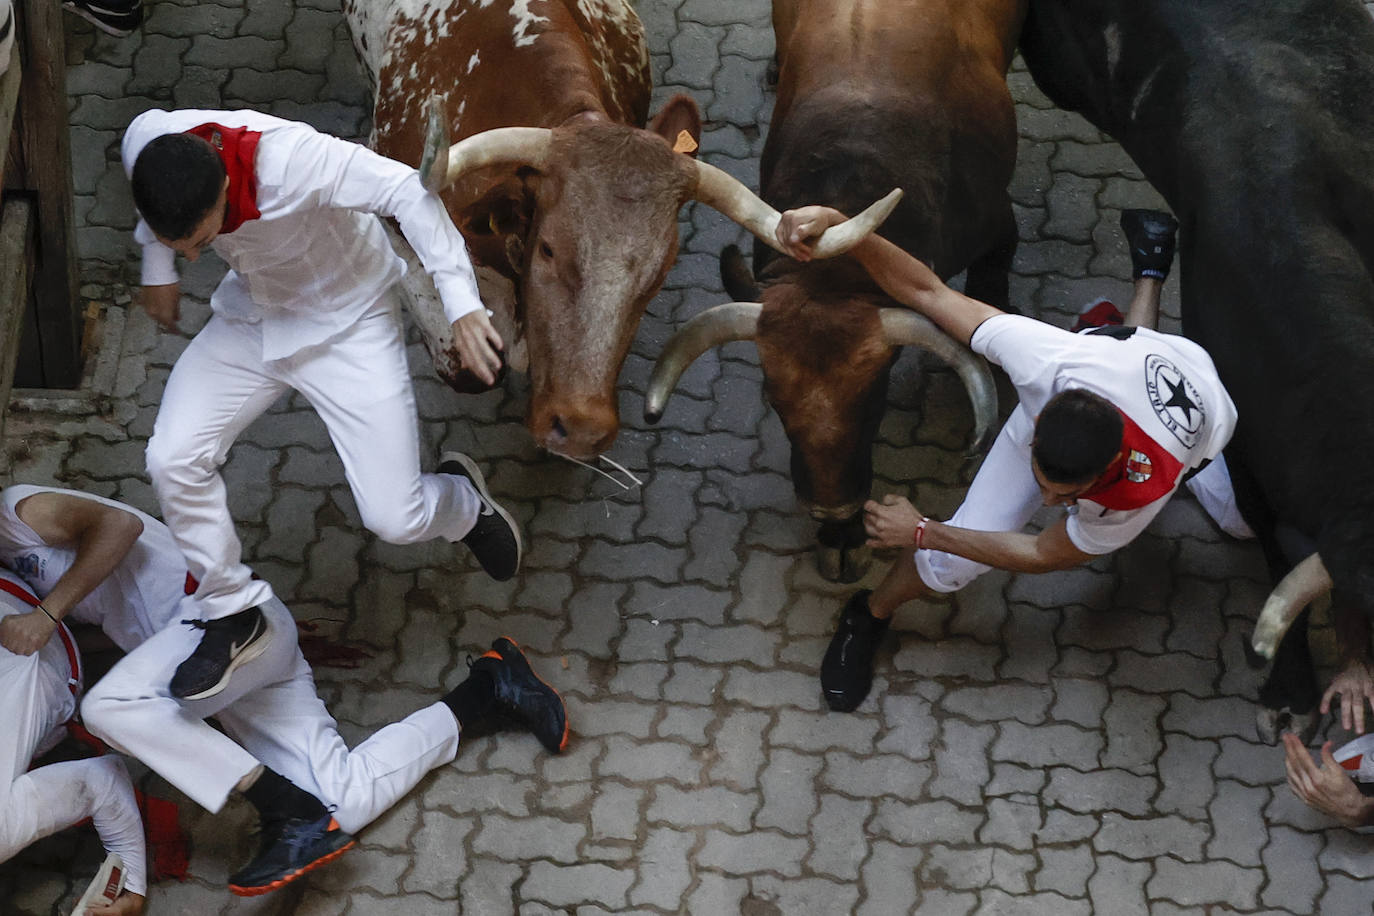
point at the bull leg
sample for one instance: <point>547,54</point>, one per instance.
<point>1289,695</point>
<point>989,275</point>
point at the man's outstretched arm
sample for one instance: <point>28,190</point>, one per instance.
<point>901,276</point>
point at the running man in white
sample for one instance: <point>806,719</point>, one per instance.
<point>307,305</point>
<point>282,751</point>
<point>1110,422</point>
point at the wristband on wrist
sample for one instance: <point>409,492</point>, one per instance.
<point>920,531</point>
<point>46,611</point>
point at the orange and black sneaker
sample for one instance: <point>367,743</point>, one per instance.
<point>290,847</point>
<point>522,697</point>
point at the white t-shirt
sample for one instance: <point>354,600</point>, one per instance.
<point>317,258</point>
<point>140,597</point>
<point>1167,385</point>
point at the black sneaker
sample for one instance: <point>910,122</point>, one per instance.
<point>114,17</point>
<point>495,538</point>
<point>847,669</point>
<point>226,644</point>
<point>1150,235</point>
<point>289,848</point>
<point>521,697</point>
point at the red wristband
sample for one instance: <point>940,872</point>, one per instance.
<point>920,531</point>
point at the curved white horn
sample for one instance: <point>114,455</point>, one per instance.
<point>728,195</point>
<point>717,325</point>
<point>526,145</point>
<point>907,328</point>
<point>1303,584</point>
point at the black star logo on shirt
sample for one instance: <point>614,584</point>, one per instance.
<point>1179,398</point>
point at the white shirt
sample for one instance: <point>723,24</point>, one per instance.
<point>36,803</point>
<point>317,258</point>
<point>1166,384</point>
<point>139,598</point>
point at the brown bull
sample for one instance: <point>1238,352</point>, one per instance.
<point>871,94</point>
<point>568,207</point>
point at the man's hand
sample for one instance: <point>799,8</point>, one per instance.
<point>163,304</point>
<point>891,523</point>
<point>799,229</point>
<point>1327,787</point>
<point>1355,684</point>
<point>477,343</point>
<point>25,634</point>
<point>126,904</point>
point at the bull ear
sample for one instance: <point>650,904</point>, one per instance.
<point>680,124</point>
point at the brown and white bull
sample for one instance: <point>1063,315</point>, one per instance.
<point>871,94</point>
<point>569,208</point>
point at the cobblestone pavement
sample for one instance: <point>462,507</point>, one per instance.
<point>1081,742</point>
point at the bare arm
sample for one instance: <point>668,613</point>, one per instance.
<point>892,523</point>
<point>901,276</point>
<point>102,535</point>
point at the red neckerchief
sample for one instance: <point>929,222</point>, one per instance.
<point>236,147</point>
<point>1141,473</point>
<point>73,658</point>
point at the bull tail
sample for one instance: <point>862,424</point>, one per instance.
<point>736,276</point>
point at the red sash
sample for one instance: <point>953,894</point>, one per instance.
<point>73,658</point>
<point>236,147</point>
<point>1142,472</point>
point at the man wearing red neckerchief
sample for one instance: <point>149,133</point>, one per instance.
<point>307,305</point>
<point>1110,422</point>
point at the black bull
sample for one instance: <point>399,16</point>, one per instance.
<point>1254,121</point>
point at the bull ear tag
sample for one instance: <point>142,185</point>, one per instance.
<point>685,143</point>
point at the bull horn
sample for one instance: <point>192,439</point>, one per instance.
<point>729,195</point>
<point>907,328</point>
<point>717,325</point>
<point>1304,583</point>
<point>525,145</point>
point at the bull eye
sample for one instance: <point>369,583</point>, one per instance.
<point>545,249</point>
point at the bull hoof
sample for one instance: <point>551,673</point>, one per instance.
<point>1271,723</point>
<point>837,564</point>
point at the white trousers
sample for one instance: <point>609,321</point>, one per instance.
<point>273,716</point>
<point>358,382</point>
<point>34,700</point>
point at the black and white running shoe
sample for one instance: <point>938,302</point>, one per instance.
<point>495,538</point>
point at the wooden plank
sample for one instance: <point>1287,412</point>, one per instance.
<point>16,232</point>
<point>46,141</point>
<point>9,103</point>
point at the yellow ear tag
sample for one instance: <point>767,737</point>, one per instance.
<point>685,143</point>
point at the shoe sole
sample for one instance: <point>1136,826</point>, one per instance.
<point>258,891</point>
<point>479,483</point>
<point>249,652</point>
<point>521,659</point>
<point>99,23</point>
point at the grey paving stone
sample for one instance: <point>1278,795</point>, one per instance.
<point>1101,790</point>
<point>1192,884</point>
<point>925,822</point>
<point>821,731</point>
<point>1011,823</point>
<point>1000,701</point>
<point>1294,873</point>
<point>770,689</point>
<point>876,777</point>
<point>1174,671</point>
<point>1151,837</point>
<point>840,844</point>
<point>664,874</point>
<point>1238,829</point>
<point>1185,774</point>
<point>1133,738</point>
<point>530,838</point>
<point>739,755</point>
<point>961,764</point>
<point>1065,870</point>
<point>650,761</point>
<point>1046,745</point>
<point>750,853</point>
<point>1118,886</point>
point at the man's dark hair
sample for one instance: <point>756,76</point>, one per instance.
<point>1076,437</point>
<point>177,179</point>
